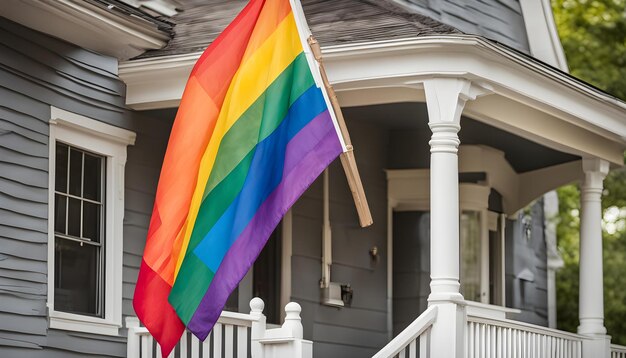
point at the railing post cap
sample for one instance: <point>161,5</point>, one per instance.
<point>293,307</point>
<point>256,305</point>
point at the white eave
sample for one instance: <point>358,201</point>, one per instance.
<point>87,25</point>
<point>526,95</point>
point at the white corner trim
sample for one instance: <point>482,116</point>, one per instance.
<point>542,34</point>
<point>91,126</point>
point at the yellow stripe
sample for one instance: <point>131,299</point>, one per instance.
<point>250,81</point>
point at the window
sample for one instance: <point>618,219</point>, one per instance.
<point>86,192</point>
<point>78,232</point>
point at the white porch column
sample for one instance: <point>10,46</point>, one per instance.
<point>445,98</point>
<point>591,289</point>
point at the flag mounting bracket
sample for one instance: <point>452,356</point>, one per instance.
<point>348,159</point>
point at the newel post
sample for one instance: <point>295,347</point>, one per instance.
<point>132,343</point>
<point>445,99</point>
<point>591,288</point>
<point>284,342</point>
<point>258,327</point>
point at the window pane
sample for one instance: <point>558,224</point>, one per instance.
<point>470,255</point>
<point>76,171</point>
<point>93,177</point>
<point>76,278</point>
<point>60,203</point>
<point>91,221</point>
<point>60,170</point>
<point>73,217</point>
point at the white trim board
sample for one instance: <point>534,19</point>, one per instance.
<point>109,142</point>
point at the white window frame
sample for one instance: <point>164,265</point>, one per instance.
<point>110,142</point>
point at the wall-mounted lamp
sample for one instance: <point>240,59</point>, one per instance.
<point>374,252</point>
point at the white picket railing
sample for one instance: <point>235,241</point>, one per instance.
<point>230,335</point>
<point>235,335</point>
<point>414,341</point>
<point>500,338</point>
<point>618,351</point>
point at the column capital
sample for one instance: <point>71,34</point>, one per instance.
<point>595,171</point>
<point>446,97</point>
<point>595,166</point>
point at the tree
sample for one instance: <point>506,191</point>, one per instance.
<point>593,35</point>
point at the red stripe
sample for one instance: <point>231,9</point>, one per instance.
<point>161,320</point>
<point>219,63</point>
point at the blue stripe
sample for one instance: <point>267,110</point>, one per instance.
<point>264,175</point>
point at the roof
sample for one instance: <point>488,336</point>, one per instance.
<point>332,23</point>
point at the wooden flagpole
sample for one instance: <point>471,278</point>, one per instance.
<point>348,160</point>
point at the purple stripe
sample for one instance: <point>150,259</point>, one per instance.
<point>308,154</point>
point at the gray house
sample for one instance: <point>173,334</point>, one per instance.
<point>462,116</point>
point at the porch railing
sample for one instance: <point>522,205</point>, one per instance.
<point>235,335</point>
<point>618,351</point>
<point>495,338</point>
<point>414,341</point>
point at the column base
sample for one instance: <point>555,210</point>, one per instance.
<point>592,327</point>
<point>445,290</point>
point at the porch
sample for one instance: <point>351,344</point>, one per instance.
<point>473,91</point>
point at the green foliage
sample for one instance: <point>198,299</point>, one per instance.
<point>593,35</point>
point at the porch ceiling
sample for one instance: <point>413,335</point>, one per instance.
<point>522,154</point>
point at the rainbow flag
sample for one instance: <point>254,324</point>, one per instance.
<point>252,132</point>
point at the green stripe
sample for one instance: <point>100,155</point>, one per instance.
<point>192,280</point>
<point>260,119</point>
<point>229,173</point>
<point>184,298</point>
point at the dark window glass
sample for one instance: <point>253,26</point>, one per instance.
<point>61,167</point>
<point>73,217</point>
<point>76,171</point>
<point>91,181</point>
<point>266,277</point>
<point>91,221</point>
<point>59,214</point>
<point>77,282</point>
<point>78,222</point>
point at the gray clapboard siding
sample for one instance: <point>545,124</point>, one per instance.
<point>142,172</point>
<point>37,71</point>
<point>359,329</point>
<point>499,20</point>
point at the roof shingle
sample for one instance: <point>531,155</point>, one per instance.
<point>332,22</point>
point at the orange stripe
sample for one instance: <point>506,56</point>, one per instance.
<point>195,118</point>
<point>273,13</point>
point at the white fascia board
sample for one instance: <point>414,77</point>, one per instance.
<point>159,82</point>
<point>156,82</point>
<point>507,72</point>
<point>88,26</point>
